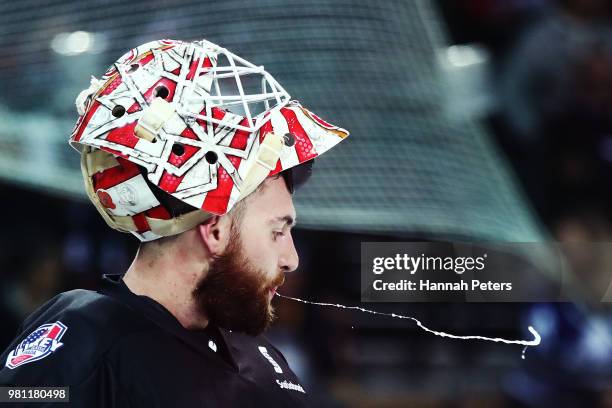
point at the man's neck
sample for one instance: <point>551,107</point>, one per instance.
<point>170,286</point>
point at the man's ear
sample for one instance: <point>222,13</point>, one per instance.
<point>215,233</point>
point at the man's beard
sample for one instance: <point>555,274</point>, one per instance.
<point>234,294</point>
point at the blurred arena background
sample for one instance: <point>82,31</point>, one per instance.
<point>472,120</point>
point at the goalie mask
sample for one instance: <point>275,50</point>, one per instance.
<point>175,132</point>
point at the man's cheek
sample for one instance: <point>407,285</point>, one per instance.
<point>255,248</point>
<point>262,259</point>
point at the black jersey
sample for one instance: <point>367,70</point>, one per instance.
<point>113,348</point>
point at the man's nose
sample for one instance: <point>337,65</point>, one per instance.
<point>289,259</point>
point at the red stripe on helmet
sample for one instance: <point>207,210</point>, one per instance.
<point>179,160</point>
<point>169,84</point>
<point>216,200</point>
<point>115,175</point>
<point>278,169</point>
<point>320,121</point>
<point>124,135</point>
<point>141,222</point>
<point>188,150</point>
<point>264,130</point>
<point>241,137</point>
<point>218,114</point>
<point>159,213</point>
<point>134,108</point>
<point>189,134</point>
<point>169,182</point>
<point>84,120</point>
<point>194,66</point>
<point>146,58</point>
<point>303,146</point>
<point>108,89</point>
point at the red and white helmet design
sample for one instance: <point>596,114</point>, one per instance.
<point>202,124</point>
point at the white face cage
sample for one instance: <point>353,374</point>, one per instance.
<point>230,76</point>
<point>224,87</point>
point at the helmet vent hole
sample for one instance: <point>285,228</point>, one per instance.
<point>118,111</point>
<point>178,149</point>
<point>289,139</point>
<point>162,92</point>
<point>133,68</point>
<point>211,157</point>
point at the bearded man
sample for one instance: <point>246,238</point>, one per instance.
<point>204,178</point>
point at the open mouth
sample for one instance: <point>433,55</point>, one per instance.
<point>275,284</point>
<point>272,292</point>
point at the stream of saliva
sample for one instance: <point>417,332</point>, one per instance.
<point>527,343</point>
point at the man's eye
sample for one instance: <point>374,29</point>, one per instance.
<point>277,234</point>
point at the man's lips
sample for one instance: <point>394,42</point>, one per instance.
<point>272,291</point>
<point>275,285</point>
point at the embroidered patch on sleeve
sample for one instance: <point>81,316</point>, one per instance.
<point>38,345</point>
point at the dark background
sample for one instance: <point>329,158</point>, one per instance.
<point>473,120</point>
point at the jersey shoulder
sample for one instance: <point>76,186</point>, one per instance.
<point>64,341</point>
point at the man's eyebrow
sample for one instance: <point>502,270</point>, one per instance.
<point>287,219</point>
